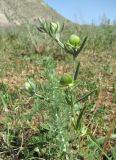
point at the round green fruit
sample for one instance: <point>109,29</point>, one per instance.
<point>74,40</point>
<point>66,80</point>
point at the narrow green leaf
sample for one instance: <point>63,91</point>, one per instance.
<point>80,117</point>
<point>85,96</point>
<point>47,27</point>
<point>81,47</point>
<point>68,49</point>
<point>40,29</point>
<point>92,138</point>
<point>62,28</point>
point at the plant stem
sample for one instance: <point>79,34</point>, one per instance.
<point>72,105</point>
<point>74,66</point>
<point>60,43</point>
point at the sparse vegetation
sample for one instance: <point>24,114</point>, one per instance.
<point>52,106</point>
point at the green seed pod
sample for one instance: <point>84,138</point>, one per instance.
<point>74,40</point>
<point>66,80</point>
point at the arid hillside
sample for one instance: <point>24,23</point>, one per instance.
<point>21,11</point>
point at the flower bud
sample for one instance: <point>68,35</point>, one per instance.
<point>55,27</point>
